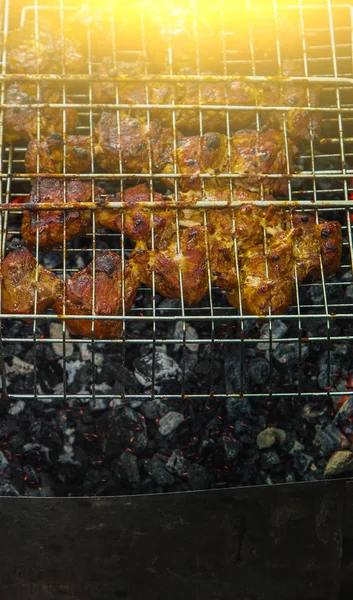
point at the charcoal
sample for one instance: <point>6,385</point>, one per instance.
<point>238,407</point>
<point>269,436</point>
<point>156,468</point>
<point>339,462</point>
<point>344,418</point>
<point>236,377</point>
<point>128,469</point>
<point>170,422</point>
<point>329,439</point>
<point>199,426</point>
<point>122,428</point>
<point>302,462</point>
<point>177,464</point>
<point>279,329</point>
<point>153,409</point>
<point>4,463</point>
<point>198,477</point>
<point>8,489</point>
<point>30,476</point>
<point>232,449</point>
<point>288,353</point>
<point>165,368</point>
<point>270,459</point>
<point>259,370</point>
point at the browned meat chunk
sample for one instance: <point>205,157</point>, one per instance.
<point>51,224</point>
<point>20,123</point>
<point>50,154</point>
<point>19,284</point>
<point>301,125</point>
<point>168,263</point>
<point>46,54</point>
<point>258,154</point>
<point>138,146</point>
<point>254,156</point>
<point>137,221</point>
<point>236,93</point>
<point>108,296</point>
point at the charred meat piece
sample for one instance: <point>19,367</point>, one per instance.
<point>236,93</point>
<point>19,284</point>
<point>107,275</point>
<point>50,154</point>
<point>267,276</point>
<point>138,146</point>
<point>51,223</point>
<point>257,154</point>
<point>289,246</point>
<point>168,263</point>
<point>318,239</point>
<point>46,54</point>
<point>20,122</point>
<point>301,125</point>
<point>254,154</point>
<point>138,221</point>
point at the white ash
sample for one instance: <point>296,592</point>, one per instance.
<point>165,368</point>
<point>17,408</point>
<point>278,331</point>
<point>190,334</point>
<point>269,436</point>
<point>339,462</point>
<point>19,367</point>
<point>170,422</point>
<point>56,332</point>
<point>3,462</point>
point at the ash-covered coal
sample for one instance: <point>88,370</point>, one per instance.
<point>85,438</point>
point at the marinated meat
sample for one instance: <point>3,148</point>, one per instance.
<point>50,154</point>
<point>301,125</point>
<point>254,155</point>
<point>51,223</point>
<point>20,123</point>
<point>233,93</point>
<point>46,54</point>
<point>189,260</point>
<point>108,291</point>
<point>136,221</point>
<point>19,284</point>
<point>140,147</point>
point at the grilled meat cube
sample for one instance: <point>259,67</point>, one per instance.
<point>167,263</point>
<point>131,92</point>
<point>238,93</point>
<point>292,93</point>
<point>108,296</point>
<point>135,145</point>
<point>19,284</point>
<point>46,54</point>
<point>257,154</point>
<point>267,278</point>
<point>268,269</point>
<point>254,154</point>
<point>50,152</point>
<point>233,93</point>
<point>20,123</point>
<point>137,222</point>
<point>322,238</point>
<point>199,154</point>
<point>51,223</point>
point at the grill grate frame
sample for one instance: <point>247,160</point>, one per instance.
<point>333,62</point>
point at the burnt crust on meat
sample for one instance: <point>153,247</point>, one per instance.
<point>108,296</point>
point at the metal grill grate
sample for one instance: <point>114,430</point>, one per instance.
<point>323,184</point>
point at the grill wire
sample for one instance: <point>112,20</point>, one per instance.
<point>323,186</point>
